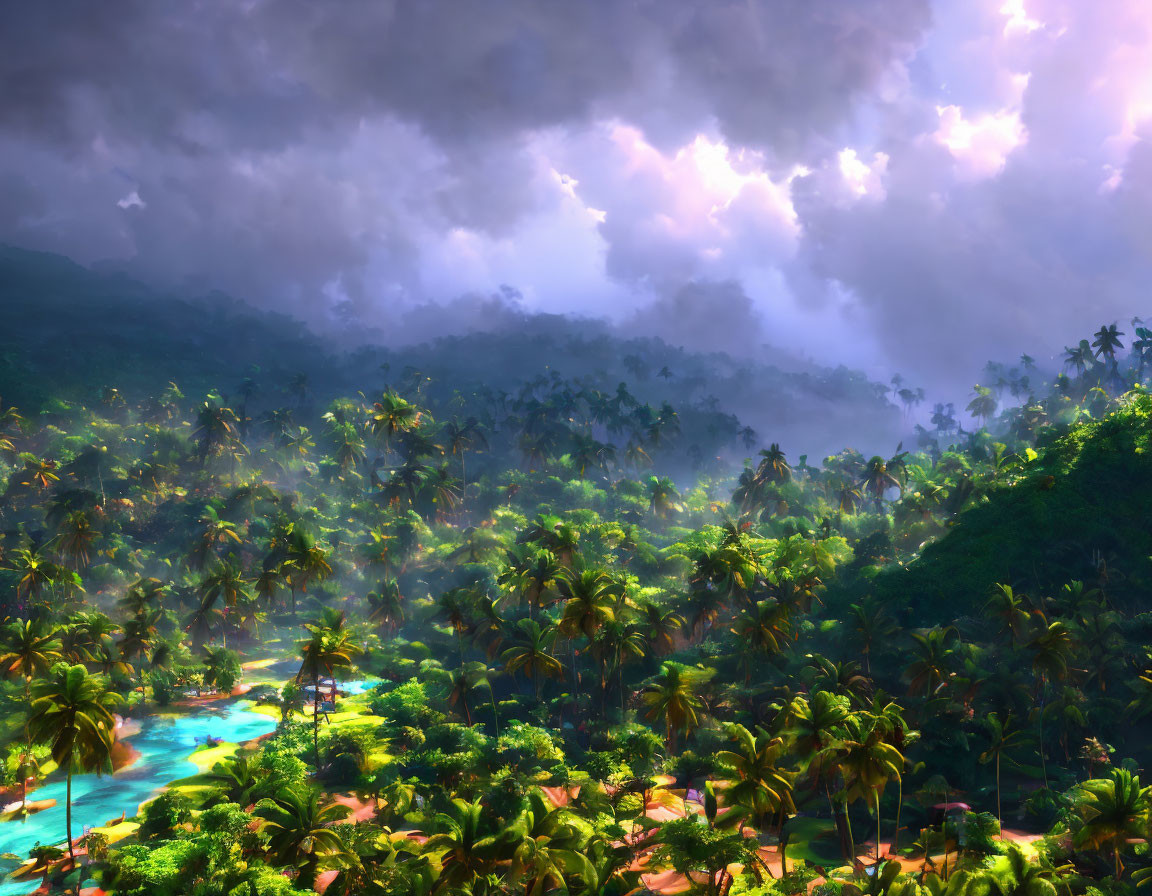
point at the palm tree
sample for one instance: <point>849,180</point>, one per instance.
<point>386,605</point>
<point>867,762</point>
<point>773,466</point>
<point>591,599</point>
<point>590,602</point>
<point>871,624</point>
<point>463,681</point>
<point>323,652</point>
<point>1003,737</point>
<point>983,405</point>
<point>224,585</point>
<point>1112,811</point>
<point>1107,341</point>
<point>393,415</point>
<point>215,534</point>
<point>660,627</point>
<point>931,666</point>
<point>530,653</point>
<point>1008,607</point>
<point>662,496</point>
<point>1013,875</point>
<point>71,713</point>
<point>217,431</point>
<point>762,631</point>
<point>459,437</point>
<point>468,850</point>
<point>299,832</point>
<point>877,479</point>
<point>35,572</point>
<point>674,696</point>
<point>550,851</point>
<point>30,650</point>
<point>759,788</point>
<point>531,575</point>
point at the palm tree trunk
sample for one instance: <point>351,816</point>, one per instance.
<point>28,745</point>
<point>877,828</point>
<point>68,812</point>
<point>895,850</point>
<point>316,721</point>
<point>999,814</point>
<point>848,828</point>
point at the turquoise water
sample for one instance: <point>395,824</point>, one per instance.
<point>164,745</point>
<point>358,686</point>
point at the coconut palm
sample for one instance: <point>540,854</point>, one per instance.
<point>300,833</point>
<point>1106,341</point>
<point>1111,812</point>
<point>393,415</point>
<point>1004,737</point>
<point>30,650</point>
<point>868,762</point>
<point>673,696</point>
<point>550,849</point>
<point>758,788</point>
<point>878,479</point>
<point>322,653</point>
<point>530,653</point>
<point>71,713</point>
<point>1013,875</point>
<point>468,846</point>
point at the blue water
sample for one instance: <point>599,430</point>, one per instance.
<point>164,745</point>
<point>359,686</point>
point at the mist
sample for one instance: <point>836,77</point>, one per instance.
<point>905,186</point>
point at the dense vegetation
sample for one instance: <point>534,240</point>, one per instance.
<point>604,648</point>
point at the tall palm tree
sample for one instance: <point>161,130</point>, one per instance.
<point>878,479</point>
<point>773,465</point>
<point>531,575</point>
<point>762,631</point>
<point>868,762</point>
<point>591,598</point>
<point>1107,341</point>
<point>393,415</point>
<point>932,661</point>
<point>30,650</point>
<point>662,495</point>
<point>759,788</point>
<point>530,653</point>
<point>322,653</point>
<point>674,696</point>
<point>1003,737</point>
<point>1008,607</point>
<point>221,590</point>
<point>71,714</point>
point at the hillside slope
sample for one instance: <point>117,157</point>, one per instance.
<point>1083,512</point>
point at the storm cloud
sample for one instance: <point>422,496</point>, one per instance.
<point>888,183</point>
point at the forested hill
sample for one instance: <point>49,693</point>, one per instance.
<point>70,332</point>
<point>1080,512</point>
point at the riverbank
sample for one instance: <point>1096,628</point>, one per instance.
<point>164,748</point>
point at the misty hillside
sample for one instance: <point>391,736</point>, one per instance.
<point>71,331</point>
<point>1079,512</point>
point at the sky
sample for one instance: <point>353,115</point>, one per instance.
<point>897,185</point>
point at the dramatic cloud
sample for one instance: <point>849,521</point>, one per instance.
<point>889,183</point>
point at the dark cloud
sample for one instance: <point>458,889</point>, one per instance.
<point>705,316</point>
<point>679,166</point>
